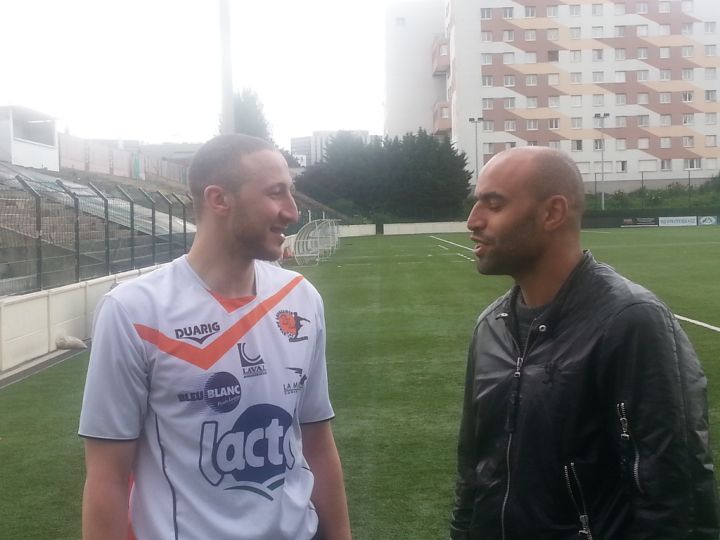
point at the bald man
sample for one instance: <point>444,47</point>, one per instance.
<point>584,413</point>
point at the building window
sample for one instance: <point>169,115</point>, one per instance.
<point>553,78</point>
<point>643,75</point>
<point>488,125</point>
<point>666,164</point>
<point>486,59</point>
<point>486,14</point>
<point>710,27</point>
<point>599,144</point>
<point>507,13</point>
<point>553,34</point>
<point>664,52</point>
<point>619,30</point>
<point>686,51</point>
<point>530,35</point>
<point>551,11</point>
<point>553,123</point>
<point>688,96</point>
<point>597,10</point>
<point>554,144</point>
<point>509,80</point>
<point>620,77</point>
<point>710,74</point>
<point>711,95</point>
<point>621,166</point>
<point>486,36</point>
<point>641,30</point>
<point>642,53</point>
<point>619,9</point>
<point>508,35</point>
<point>509,125</point>
<point>643,98</point>
<point>665,119</point>
<point>576,101</point>
<point>487,104</point>
<point>710,118</point>
<point>688,141</point>
<point>597,55</point>
<point>488,81</point>
<point>598,100</point>
<point>691,163</point>
<point>531,80</point>
<point>532,143</point>
<point>597,31</point>
<point>575,32</point>
<point>686,29</point>
<point>711,141</point>
<point>664,30</point>
<point>576,77</point>
<point>532,102</point>
<point>598,121</point>
<point>687,6</point>
<point>688,119</point>
<point>620,99</point>
<point>665,74</point>
<point>576,122</point>
<point>530,12</point>
<point>621,121</point>
<point>553,102</point>
<point>576,145</point>
<point>665,97</point>
<point>576,56</point>
<point>553,56</point>
<point>641,7</point>
<point>509,145</point>
<point>532,125</point>
<point>710,50</point>
<point>643,143</point>
<point>598,76</point>
<point>574,10</point>
<point>664,7</point>
<point>620,144</point>
<point>509,103</point>
<point>530,57</point>
<point>643,120</point>
<point>620,54</point>
<point>508,58</point>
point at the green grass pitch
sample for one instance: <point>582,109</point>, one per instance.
<point>399,312</point>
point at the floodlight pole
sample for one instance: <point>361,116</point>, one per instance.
<point>475,121</point>
<point>602,118</point>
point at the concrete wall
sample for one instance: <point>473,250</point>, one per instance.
<point>346,231</point>
<point>30,324</point>
<point>390,229</point>
<point>36,155</point>
<point>5,137</point>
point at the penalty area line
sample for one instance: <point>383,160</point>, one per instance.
<point>451,243</point>
<point>699,323</point>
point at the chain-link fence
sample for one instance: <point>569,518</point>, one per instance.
<point>54,233</point>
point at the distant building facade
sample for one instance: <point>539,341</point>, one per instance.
<point>28,138</point>
<point>311,150</point>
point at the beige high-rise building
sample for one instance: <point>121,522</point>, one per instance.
<point>629,89</point>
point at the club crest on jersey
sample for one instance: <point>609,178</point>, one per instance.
<point>252,366</point>
<point>290,324</point>
<point>253,455</point>
<point>198,332</point>
<point>295,386</point>
<point>221,392</point>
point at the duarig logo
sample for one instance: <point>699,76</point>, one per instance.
<point>253,456</point>
<point>198,332</point>
<point>221,392</point>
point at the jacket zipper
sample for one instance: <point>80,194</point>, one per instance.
<point>512,413</point>
<point>581,508</point>
<point>627,438</point>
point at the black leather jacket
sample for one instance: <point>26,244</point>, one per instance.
<point>598,430</point>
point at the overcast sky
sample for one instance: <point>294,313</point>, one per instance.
<point>150,70</point>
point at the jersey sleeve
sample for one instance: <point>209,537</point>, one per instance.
<point>116,388</point>
<point>315,405</point>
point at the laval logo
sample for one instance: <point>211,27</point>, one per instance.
<point>290,323</point>
<point>221,392</point>
<point>253,455</point>
<point>252,366</point>
<point>198,332</point>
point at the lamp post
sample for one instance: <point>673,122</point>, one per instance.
<point>476,121</point>
<point>602,118</point>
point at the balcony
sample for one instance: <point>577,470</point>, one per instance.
<point>442,121</point>
<point>441,55</point>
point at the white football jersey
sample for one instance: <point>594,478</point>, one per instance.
<point>214,390</point>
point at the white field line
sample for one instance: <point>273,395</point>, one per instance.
<point>699,323</point>
<point>443,247</point>
<point>692,321</point>
<point>596,232</point>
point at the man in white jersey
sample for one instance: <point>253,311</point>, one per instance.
<point>206,412</point>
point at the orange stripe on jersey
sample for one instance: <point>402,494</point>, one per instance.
<point>231,304</point>
<point>206,357</point>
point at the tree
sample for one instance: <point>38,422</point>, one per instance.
<point>249,116</point>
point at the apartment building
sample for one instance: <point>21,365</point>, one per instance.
<point>311,150</point>
<point>628,88</point>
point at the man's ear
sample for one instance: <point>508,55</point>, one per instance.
<point>556,212</point>
<point>217,200</point>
